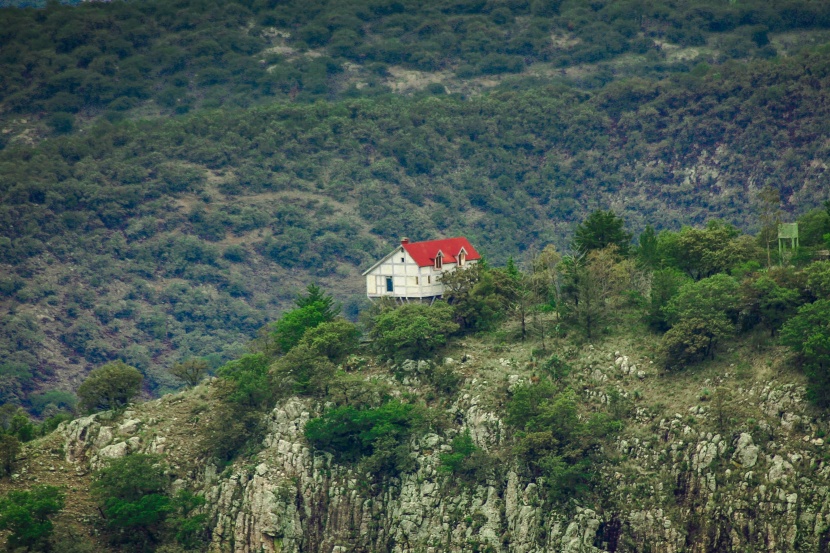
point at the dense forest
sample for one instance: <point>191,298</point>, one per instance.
<point>172,173</point>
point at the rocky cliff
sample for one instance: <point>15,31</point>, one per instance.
<point>743,468</point>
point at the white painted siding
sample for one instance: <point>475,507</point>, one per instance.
<point>408,280</point>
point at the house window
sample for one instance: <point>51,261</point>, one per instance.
<point>429,279</point>
<point>439,261</point>
<point>462,258</point>
<point>403,260</point>
<point>416,281</point>
<point>389,287</point>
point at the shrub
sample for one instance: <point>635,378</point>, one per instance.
<point>248,381</point>
<point>109,387</point>
<point>25,514</point>
<point>380,434</point>
<point>132,494</point>
<point>191,372</point>
<point>413,331</point>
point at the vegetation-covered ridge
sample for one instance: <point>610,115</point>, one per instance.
<point>62,65</point>
<point>154,242</point>
<point>710,312</point>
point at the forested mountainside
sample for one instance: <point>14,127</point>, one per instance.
<point>173,173</point>
<point>666,397</point>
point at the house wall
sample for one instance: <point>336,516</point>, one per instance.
<point>408,280</point>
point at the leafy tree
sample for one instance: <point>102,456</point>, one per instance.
<point>704,252</point>
<point>290,328</point>
<point>191,371</point>
<point>9,450</point>
<point>693,339</point>
<point>818,279</point>
<point>600,230</point>
<point>665,285</point>
<point>132,494</point>
<point>110,387</point>
<point>467,462</point>
<point>704,299</point>
<point>648,252</point>
<point>247,381</point>
<point>378,435</point>
<point>808,335</point>
<point>25,514</point>
<point>334,340</point>
<point>592,287</point>
<point>324,302</point>
<point>413,331</point>
<point>479,296</point>
<point>773,304</point>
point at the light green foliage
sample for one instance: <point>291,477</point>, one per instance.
<point>413,331</point>
<point>808,334</point>
<point>248,382</point>
<point>812,226</point>
<point>708,298</point>
<point>379,436</point>
<point>600,230</point>
<point>334,340</point>
<point>703,252</point>
<point>110,387</point>
<point>312,309</point>
<point>191,371</point>
<point>25,514</point>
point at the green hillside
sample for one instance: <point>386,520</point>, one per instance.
<point>172,174</point>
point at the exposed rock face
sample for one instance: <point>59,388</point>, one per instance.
<point>682,490</point>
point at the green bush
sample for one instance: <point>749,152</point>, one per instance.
<point>110,387</point>
<point>378,435</point>
<point>25,515</point>
<point>413,331</point>
<point>248,381</point>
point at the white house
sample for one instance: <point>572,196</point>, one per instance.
<point>412,270</point>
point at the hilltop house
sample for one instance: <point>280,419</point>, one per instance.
<point>412,271</point>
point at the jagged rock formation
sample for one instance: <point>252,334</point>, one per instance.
<point>675,485</point>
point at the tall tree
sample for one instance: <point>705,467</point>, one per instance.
<point>600,230</point>
<point>769,213</point>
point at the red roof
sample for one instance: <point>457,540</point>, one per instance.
<point>424,253</point>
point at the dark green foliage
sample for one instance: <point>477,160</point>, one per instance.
<point>248,384</point>
<point>9,450</point>
<point>413,331</point>
<point>133,494</point>
<point>554,442</point>
<point>109,387</point>
<point>53,400</point>
<point>808,334</point>
<point>694,339</point>
<point>600,230</point>
<point>25,514</point>
<point>378,435</point>
<point>665,284</point>
<point>467,463</point>
<point>479,296</point>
